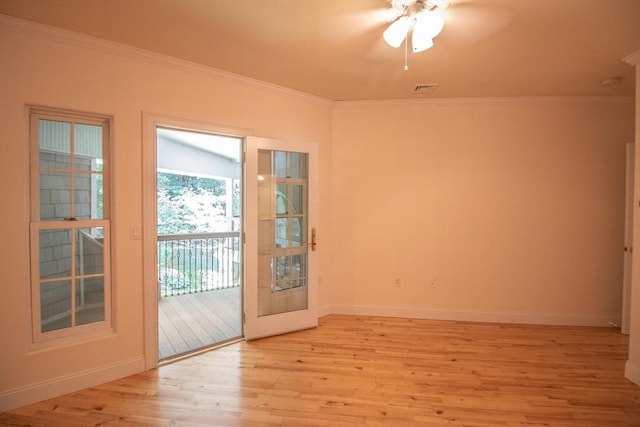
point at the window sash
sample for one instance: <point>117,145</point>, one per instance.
<point>72,277</point>
<point>72,300</point>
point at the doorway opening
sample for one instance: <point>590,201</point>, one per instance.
<point>198,212</point>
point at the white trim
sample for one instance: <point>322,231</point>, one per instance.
<point>150,122</point>
<point>632,373</point>
<point>472,316</point>
<point>48,389</point>
<point>531,100</point>
<point>34,29</point>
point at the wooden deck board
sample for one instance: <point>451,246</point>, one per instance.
<point>207,319</point>
<point>193,321</point>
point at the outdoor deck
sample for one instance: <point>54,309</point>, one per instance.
<point>192,321</point>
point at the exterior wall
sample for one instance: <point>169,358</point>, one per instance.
<point>483,209</point>
<point>49,67</point>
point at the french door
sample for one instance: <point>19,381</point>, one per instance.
<point>280,225</point>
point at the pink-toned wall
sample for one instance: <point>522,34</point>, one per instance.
<point>483,209</point>
<point>42,66</point>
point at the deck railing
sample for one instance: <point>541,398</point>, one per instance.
<point>189,263</point>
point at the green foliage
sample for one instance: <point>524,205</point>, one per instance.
<point>191,204</point>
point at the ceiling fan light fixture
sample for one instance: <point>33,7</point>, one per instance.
<point>429,22</point>
<point>397,31</point>
<point>426,18</point>
<point>420,41</point>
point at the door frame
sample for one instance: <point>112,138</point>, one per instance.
<point>625,326</point>
<point>150,122</point>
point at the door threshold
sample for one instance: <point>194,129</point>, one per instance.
<point>199,351</point>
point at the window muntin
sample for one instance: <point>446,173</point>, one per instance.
<point>70,238</point>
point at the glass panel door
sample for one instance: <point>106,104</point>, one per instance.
<point>280,258</point>
<point>282,236</point>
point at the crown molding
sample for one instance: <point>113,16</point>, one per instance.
<point>48,32</point>
<point>537,100</point>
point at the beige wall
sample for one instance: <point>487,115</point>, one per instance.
<point>484,209</point>
<point>53,68</point>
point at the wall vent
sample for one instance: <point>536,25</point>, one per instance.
<point>424,88</point>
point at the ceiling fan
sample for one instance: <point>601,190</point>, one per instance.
<point>426,17</point>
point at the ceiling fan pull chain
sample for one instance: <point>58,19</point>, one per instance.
<point>406,60</point>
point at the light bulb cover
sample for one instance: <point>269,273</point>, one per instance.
<point>397,31</point>
<point>420,41</point>
<point>430,23</point>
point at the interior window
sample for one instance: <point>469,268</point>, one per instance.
<point>70,238</point>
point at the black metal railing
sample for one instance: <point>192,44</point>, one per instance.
<point>189,263</point>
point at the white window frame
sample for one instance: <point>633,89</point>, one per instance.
<point>74,331</point>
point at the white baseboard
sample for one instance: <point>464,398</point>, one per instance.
<point>325,310</point>
<point>632,373</point>
<point>469,316</point>
<point>33,393</point>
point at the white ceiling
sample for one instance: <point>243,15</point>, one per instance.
<point>334,48</point>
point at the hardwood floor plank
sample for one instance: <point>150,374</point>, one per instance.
<point>371,371</point>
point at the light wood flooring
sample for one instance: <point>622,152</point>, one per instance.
<point>372,371</point>
<point>193,321</point>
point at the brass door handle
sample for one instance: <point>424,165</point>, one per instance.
<point>313,239</point>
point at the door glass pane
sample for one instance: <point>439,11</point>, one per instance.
<point>55,253</point>
<point>282,238</point>
<point>55,305</point>
<point>298,165</point>
<point>297,202</point>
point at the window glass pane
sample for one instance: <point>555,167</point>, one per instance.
<point>55,253</point>
<point>55,144</point>
<point>88,147</point>
<point>55,305</point>
<point>82,196</point>
<point>89,300</point>
<point>89,251</point>
<point>55,200</point>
